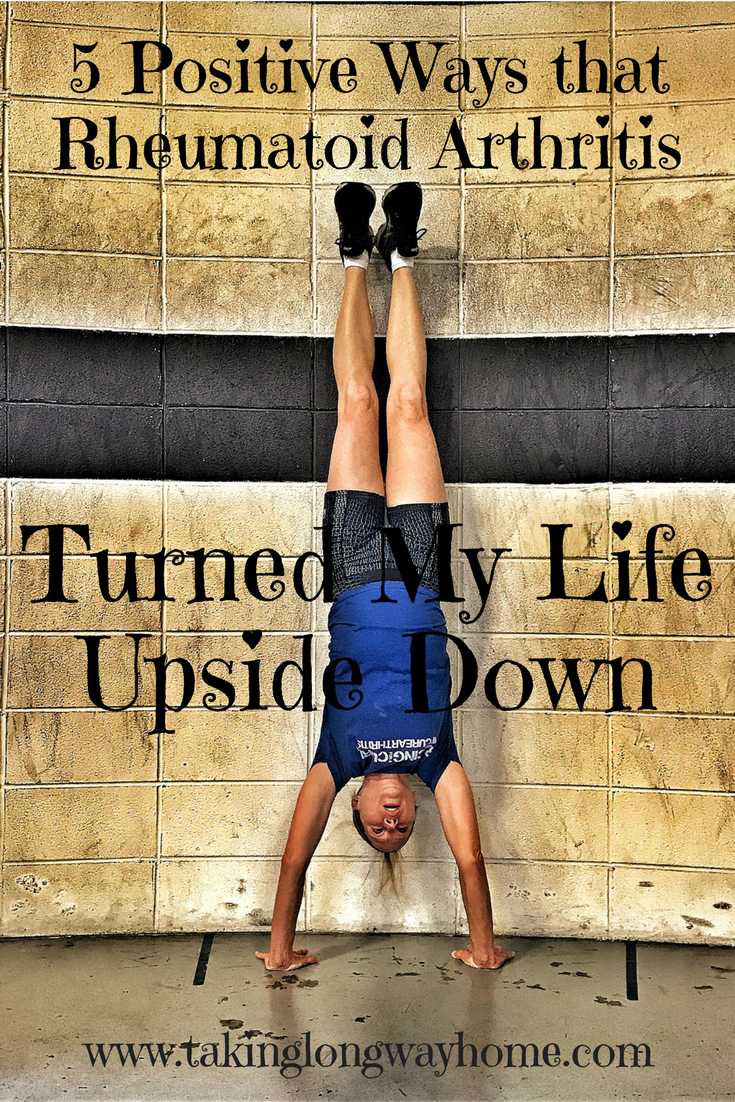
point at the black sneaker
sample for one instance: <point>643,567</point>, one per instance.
<point>401,207</point>
<point>354,203</point>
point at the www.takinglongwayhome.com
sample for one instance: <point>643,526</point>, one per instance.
<point>372,1060</point>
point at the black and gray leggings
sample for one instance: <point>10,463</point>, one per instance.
<point>356,517</point>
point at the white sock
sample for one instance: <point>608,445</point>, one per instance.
<point>360,261</point>
<point>398,261</point>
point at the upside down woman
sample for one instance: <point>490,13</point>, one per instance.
<point>381,741</point>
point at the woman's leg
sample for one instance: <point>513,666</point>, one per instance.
<point>355,462</point>
<point>414,471</point>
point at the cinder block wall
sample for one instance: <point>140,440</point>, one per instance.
<point>173,324</point>
<point>223,408</point>
<point>593,824</point>
<point>571,310</point>
<point>537,251</point>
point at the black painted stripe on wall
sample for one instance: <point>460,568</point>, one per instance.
<point>123,405</point>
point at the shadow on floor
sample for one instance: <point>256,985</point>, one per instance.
<point>381,1018</point>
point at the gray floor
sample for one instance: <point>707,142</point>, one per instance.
<point>60,995</point>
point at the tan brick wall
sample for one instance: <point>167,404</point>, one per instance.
<point>543,251</point>
<point>593,824</point>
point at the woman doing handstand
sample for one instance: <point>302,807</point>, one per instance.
<point>382,740</point>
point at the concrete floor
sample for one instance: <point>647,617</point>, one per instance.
<point>58,995</point>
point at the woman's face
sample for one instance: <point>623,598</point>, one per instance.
<point>387,807</point>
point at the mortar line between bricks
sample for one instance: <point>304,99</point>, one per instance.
<point>164,304</point>
<point>566,713</point>
<point>291,557</point>
<point>609,721</point>
<point>6,218</point>
<point>4,693</point>
<point>329,110</point>
<point>458,722</point>
<point>160,765</point>
<point>438,262</point>
<point>613,179</point>
<point>307,902</point>
<point>203,33</point>
<point>367,860</point>
<point>475,409</point>
<point>182,634</point>
<point>473,185</point>
<point>296,782</point>
<point>689,330</point>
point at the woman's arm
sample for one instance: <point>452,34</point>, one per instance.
<point>307,826</point>
<point>459,821</point>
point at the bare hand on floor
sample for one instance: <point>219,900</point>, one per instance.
<point>496,958</point>
<point>296,959</point>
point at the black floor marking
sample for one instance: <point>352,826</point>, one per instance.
<point>206,949</point>
<point>631,971</point>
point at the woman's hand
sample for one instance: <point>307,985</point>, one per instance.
<point>496,957</point>
<point>297,958</point>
